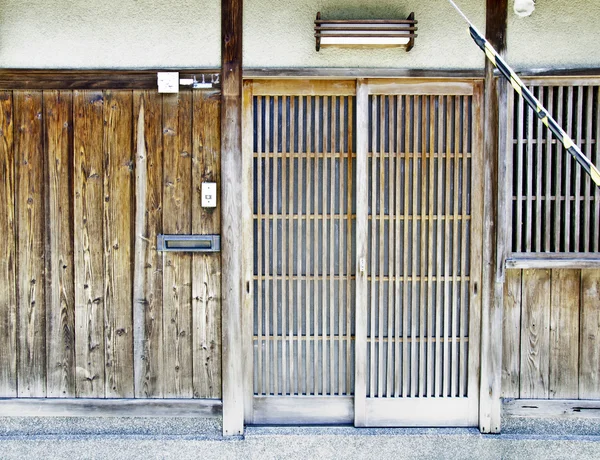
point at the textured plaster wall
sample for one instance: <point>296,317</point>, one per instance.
<point>279,33</point>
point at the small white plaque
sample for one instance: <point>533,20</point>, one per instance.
<point>168,82</point>
<point>209,194</point>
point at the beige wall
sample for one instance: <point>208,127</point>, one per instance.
<point>279,33</point>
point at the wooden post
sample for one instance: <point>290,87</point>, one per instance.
<point>492,303</point>
<point>231,215</point>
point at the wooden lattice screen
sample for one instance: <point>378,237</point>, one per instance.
<point>303,264</point>
<point>555,206</point>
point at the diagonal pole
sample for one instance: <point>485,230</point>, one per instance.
<point>531,100</point>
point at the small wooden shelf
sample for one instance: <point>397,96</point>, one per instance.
<point>366,33</point>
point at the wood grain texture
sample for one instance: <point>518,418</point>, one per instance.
<point>177,308</point>
<point>511,336</point>
<point>8,267</point>
<point>206,268</point>
<point>31,315</point>
<point>118,212</point>
<point>589,357</point>
<point>88,199</point>
<point>535,336</point>
<point>231,214</point>
<point>148,269</point>
<point>60,295</point>
<point>564,334</point>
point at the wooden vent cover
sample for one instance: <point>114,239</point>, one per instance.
<point>366,32</point>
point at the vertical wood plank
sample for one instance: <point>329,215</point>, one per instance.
<point>360,367</point>
<point>440,237</point>
<point>567,224</point>
<point>371,152</point>
<point>148,263</point>
<point>88,247</point>
<point>231,213</point>
<point>549,157</point>
<point>535,323</point>
<point>259,246</point>
<point>430,245</point>
<point>380,374</point>
<point>268,246</point>
<point>60,308</point>
<point>392,275</point>
<point>206,268</point>
<point>564,334</point>
<point>406,283</point>
<point>589,347</point>
<point>118,321</point>
<point>286,223</point>
<point>422,248</point>
<point>177,311</point>
<point>587,203</point>
<point>511,335</point>
<point>31,317</point>
<point>455,253</point>
<point>558,201</point>
<point>399,251</point>
<point>577,205</point>
<point>8,294</point>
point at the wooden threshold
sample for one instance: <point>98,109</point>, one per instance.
<point>55,407</point>
<point>550,261</point>
<point>303,410</point>
<point>557,408</point>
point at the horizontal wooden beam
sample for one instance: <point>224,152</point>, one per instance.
<point>550,261</point>
<point>33,407</point>
<point>351,73</point>
<point>91,79</point>
<point>557,408</point>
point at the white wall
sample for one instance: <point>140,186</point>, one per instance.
<point>279,33</point>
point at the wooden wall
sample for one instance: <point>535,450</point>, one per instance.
<point>88,307</point>
<point>551,340</point>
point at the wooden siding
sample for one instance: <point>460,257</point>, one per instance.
<point>550,336</point>
<point>89,178</point>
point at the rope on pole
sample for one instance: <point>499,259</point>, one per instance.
<point>518,85</point>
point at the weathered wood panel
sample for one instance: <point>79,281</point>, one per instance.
<point>118,211</point>
<point>511,336</point>
<point>551,330</point>
<point>148,269</point>
<point>60,301</point>
<point>8,294</point>
<point>589,352</point>
<point>31,309</point>
<point>206,268</point>
<point>564,334</point>
<point>177,311</point>
<point>535,325</point>
<point>88,197</point>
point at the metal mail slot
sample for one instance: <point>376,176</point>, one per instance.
<point>189,243</point>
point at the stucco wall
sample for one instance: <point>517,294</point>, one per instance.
<point>279,33</point>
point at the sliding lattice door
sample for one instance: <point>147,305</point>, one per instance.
<point>419,240</point>
<point>362,270</point>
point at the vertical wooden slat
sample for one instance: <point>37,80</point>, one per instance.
<point>398,250</point>
<point>405,245</point>
<point>529,182</point>
<point>422,248</point>
<point>414,306</point>
<point>379,373</point>
<point>392,275</point>
<point>318,286</point>
<point>520,171</point>
<point>463,286</point>
<point>539,174</point>
<point>286,221</point>
<point>349,260</point>
<point>177,311</point>
<point>206,268</point>
<point>259,243</point>
<point>275,213</point>
<point>362,141</point>
<point>301,245</point>
<point>148,301</point>
<point>268,245</point>
<point>342,243</point>
<point>8,266</point>
<point>118,244</point>
<point>567,174</point>
<point>372,224</point>
<point>511,336</point>
<point>587,204</point>
<point>294,285</point>
<point>430,246</point>
<point>31,317</point>
<point>589,347</point>
<point>596,211</point>
<point>577,205</point>
<point>549,179</point>
<point>455,254</point>
<point>558,203</point>
<point>60,291</point>
<point>535,322</point>
<point>326,305</point>
<point>564,334</point>
<point>311,273</point>
<point>89,262</point>
<point>446,389</point>
<point>440,237</point>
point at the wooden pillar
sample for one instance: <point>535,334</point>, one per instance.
<point>231,214</point>
<point>491,318</point>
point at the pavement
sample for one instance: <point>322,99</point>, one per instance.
<point>182,438</point>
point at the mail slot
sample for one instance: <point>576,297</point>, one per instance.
<point>189,243</point>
